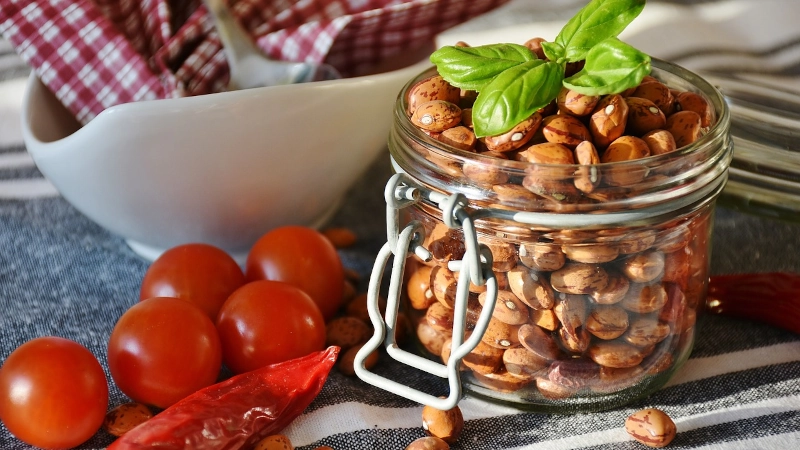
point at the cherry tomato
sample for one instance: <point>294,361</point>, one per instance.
<point>163,349</point>
<point>200,273</point>
<point>53,393</point>
<point>266,322</point>
<point>302,257</point>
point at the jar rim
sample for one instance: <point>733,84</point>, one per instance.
<point>644,188</point>
<point>720,126</point>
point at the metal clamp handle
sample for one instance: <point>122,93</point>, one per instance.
<point>475,267</point>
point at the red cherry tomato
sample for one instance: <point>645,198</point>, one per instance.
<point>53,393</point>
<point>200,273</point>
<point>302,257</point>
<point>163,349</point>
<point>266,322</point>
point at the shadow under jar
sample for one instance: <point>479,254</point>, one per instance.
<point>599,288</point>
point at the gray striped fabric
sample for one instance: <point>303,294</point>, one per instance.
<point>61,274</point>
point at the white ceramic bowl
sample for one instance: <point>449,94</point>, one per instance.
<point>221,168</point>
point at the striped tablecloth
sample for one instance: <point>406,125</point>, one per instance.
<point>61,274</point>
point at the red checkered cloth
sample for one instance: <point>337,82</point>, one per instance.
<point>94,54</point>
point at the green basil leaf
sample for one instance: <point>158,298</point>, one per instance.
<point>611,67</point>
<point>553,51</point>
<point>596,22</point>
<point>474,67</point>
<point>514,95</point>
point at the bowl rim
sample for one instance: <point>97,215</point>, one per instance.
<point>34,85</point>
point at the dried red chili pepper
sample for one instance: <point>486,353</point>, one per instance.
<point>771,298</point>
<point>238,412</point>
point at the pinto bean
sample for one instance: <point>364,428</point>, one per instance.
<point>579,278</point>
<point>418,288</point>
<point>440,317</point>
<point>446,425</point>
<point>625,148</point>
<point>684,126</point>
<point>590,253</point>
<point>587,177</point>
<point>432,88</point>
<point>346,332</point>
<point>660,141</point>
<point>553,391</point>
<point>504,255</point>
<point>508,308</point>
<point>482,173</point>
<point>644,267</point>
<point>516,137</point>
<point>565,130</point>
<point>651,427</point>
<point>614,291</point>
<point>432,340</point>
<point>645,298</point>
<point>545,318</point>
<point>428,443</point>
<point>615,354</point>
<point>436,116</point>
<point>574,373</point>
<point>538,342</point>
<point>607,322</point>
<point>530,288</point>
<point>608,120</point>
<point>501,335</point>
<point>571,311</point>
<point>502,381</point>
<point>535,45</point>
<point>443,286</point>
<point>576,341</point>
<point>643,116</point>
<point>518,196</point>
<point>547,153</point>
<point>691,101</point>
<point>125,417</point>
<point>459,137</point>
<point>484,358</point>
<point>658,93</point>
<point>542,257</point>
<point>523,363</point>
<point>646,331</point>
<point>571,102</point>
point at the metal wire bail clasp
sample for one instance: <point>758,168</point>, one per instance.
<point>476,266</point>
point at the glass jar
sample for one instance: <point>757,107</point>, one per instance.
<point>597,293</point>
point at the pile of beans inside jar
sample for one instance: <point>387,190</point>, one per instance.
<point>578,312</point>
<point>593,318</point>
<point>649,119</point>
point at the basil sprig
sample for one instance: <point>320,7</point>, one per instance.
<point>512,83</point>
<point>596,22</point>
<point>611,66</point>
<point>515,94</point>
<point>474,67</point>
